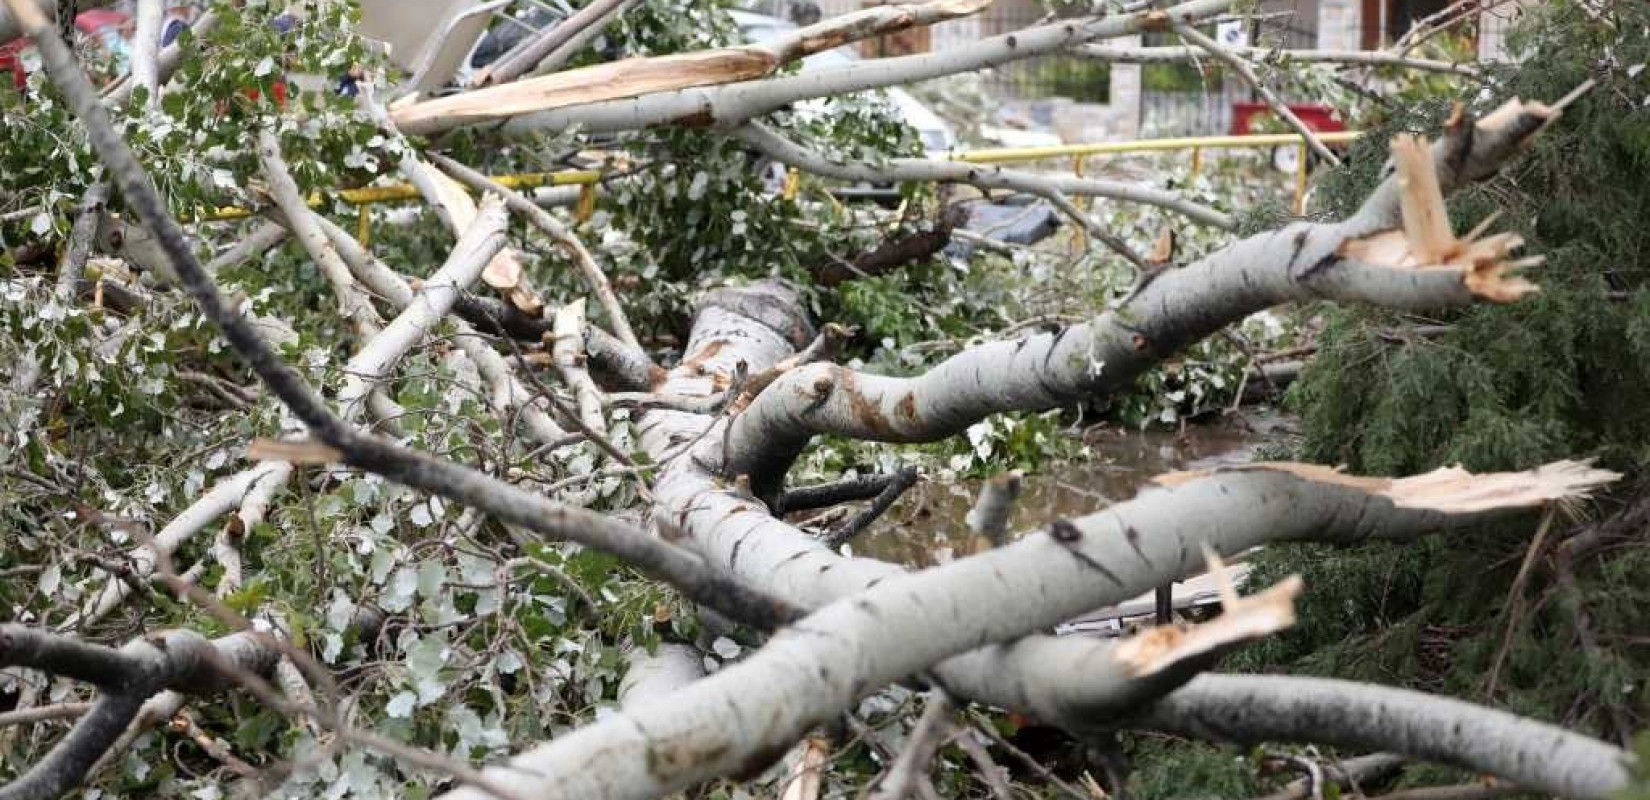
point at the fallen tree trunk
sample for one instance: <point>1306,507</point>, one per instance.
<point>877,624</point>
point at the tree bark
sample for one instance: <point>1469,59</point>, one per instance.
<point>1254,708</point>
<point>735,103</point>
<point>642,76</point>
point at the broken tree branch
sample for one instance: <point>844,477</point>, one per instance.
<point>911,767</point>
<point>1367,258</point>
<point>635,77</point>
<point>1056,679</point>
<point>418,470</point>
<point>1175,55</point>
<point>1254,708</point>
<point>825,495</point>
<point>180,660</point>
<point>435,298</point>
<point>1247,72</point>
<point>353,304</point>
<point>594,278</point>
<point>777,147</point>
<point>903,479</point>
<point>734,103</point>
<point>567,352</point>
<point>562,39</point>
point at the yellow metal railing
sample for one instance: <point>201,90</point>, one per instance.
<point>365,198</point>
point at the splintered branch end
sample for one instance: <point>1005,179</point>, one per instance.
<point>1243,619</point>
<point>1426,241</point>
<point>1451,490</point>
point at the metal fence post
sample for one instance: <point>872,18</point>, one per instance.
<point>1301,156</point>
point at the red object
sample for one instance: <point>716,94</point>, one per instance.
<point>279,91</point>
<point>11,58</point>
<point>1320,119</point>
<point>90,22</point>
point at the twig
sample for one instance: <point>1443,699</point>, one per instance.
<point>80,241</point>
<point>983,762</point>
<point>1514,614</point>
<point>825,495</point>
<point>1313,770</point>
<point>1247,72</point>
<point>920,747</point>
<point>594,278</point>
<point>903,480</point>
<point>586,602</point>
<point>1095,229</point>
<point>29,716</point>
<point>986,727</point>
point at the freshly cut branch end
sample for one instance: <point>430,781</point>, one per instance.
<point>294,452</point>
<point>1451,490</point>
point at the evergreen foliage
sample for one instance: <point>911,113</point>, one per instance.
<point>1563,374</point>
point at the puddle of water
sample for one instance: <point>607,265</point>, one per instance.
<point>927,526</point>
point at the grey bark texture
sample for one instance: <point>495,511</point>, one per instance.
<point>876,624</point>
<point>1254,708</point>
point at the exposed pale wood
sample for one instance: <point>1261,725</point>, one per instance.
<point>1243,619</point>
<point>1426,220</point>
<point>1450,489</point>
